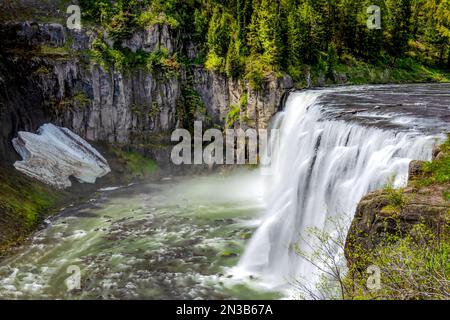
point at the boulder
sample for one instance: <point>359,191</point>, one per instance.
<point>55,154</point>
<point>416,169</point>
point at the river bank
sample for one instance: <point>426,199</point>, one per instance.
<point>25,203</point>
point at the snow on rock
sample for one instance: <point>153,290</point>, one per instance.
<point>54,154</point>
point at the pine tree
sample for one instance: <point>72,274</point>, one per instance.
<point>244,11</point>
<point>347,27</point>
<point>218,40</point>
<point>370,42</point>
<point>443,29</point>
<point>304,35</point>
<point>235,61</point>
<point>269,32</point>
<point>398,25</point>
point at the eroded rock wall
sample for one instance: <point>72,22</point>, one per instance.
<point>46,75</point>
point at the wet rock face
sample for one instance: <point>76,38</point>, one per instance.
<point>54,154</point>
<point>47,76</point>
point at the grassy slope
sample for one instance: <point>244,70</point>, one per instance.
<point>352,71</point>
<point>404,71</point>
<point>23,204</point>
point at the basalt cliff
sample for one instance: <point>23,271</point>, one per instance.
<point>48,75</point>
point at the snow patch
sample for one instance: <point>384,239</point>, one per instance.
<point>54,154</point>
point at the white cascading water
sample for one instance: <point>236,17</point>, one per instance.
<point>322,168</point>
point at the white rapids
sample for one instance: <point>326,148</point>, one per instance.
<point>321,169</point>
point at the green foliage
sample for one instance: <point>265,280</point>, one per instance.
<point>123,59</point>
<point>244,100</point>
<point>305,33</point>
<point>233,115</point>
<point>413,266</point>
<point>253,38</point>
<point>214,62</point>
<point>218,41</point>
<point>403,70</point>
<point>235,62</point>
<point>42,70</point>
<point>161,61</point>
<point>265,33</point>
<point>446,195</point>
<point>331,60</point>
<point>122,17</point>
<point>137,166</point>
<point>80,98</point>
<point>396,197</point>
<point>149,18</point>
<point>398,24</point>
<point>255,73</point>
<point>191,108</point>
<point>120,25</point>
<point>53,52</point>
<point>25,199</point>
<point>438,171</point>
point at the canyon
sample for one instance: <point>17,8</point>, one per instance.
<point>152,230</point>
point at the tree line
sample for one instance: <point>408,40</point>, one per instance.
<point>250,38</point>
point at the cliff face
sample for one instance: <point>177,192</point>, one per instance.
<point>219,94</point>
<point>47,75</point>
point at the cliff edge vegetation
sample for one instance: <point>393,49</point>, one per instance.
<point>316,42</point>
<point>405,234</point>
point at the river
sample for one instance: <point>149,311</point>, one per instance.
<point>231,236</point>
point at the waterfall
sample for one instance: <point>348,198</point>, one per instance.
<point>321,169</point>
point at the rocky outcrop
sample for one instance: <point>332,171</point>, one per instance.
<point>257,106</point>
<point>47,75</point>
<point>55,154</point>
<point>386,212</point>
<point>152,38</point>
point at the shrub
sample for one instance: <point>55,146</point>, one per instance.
<point>255,73</point>
<point>413,267</point>
<point>439,169</point>
<point>162,61</point>
<point>214,62</point>
<point>233,115</point>
<point>191,108</point>
<point>150,18</point>
<point>396,197</point>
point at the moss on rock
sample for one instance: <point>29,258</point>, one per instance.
<point>24,202</point>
